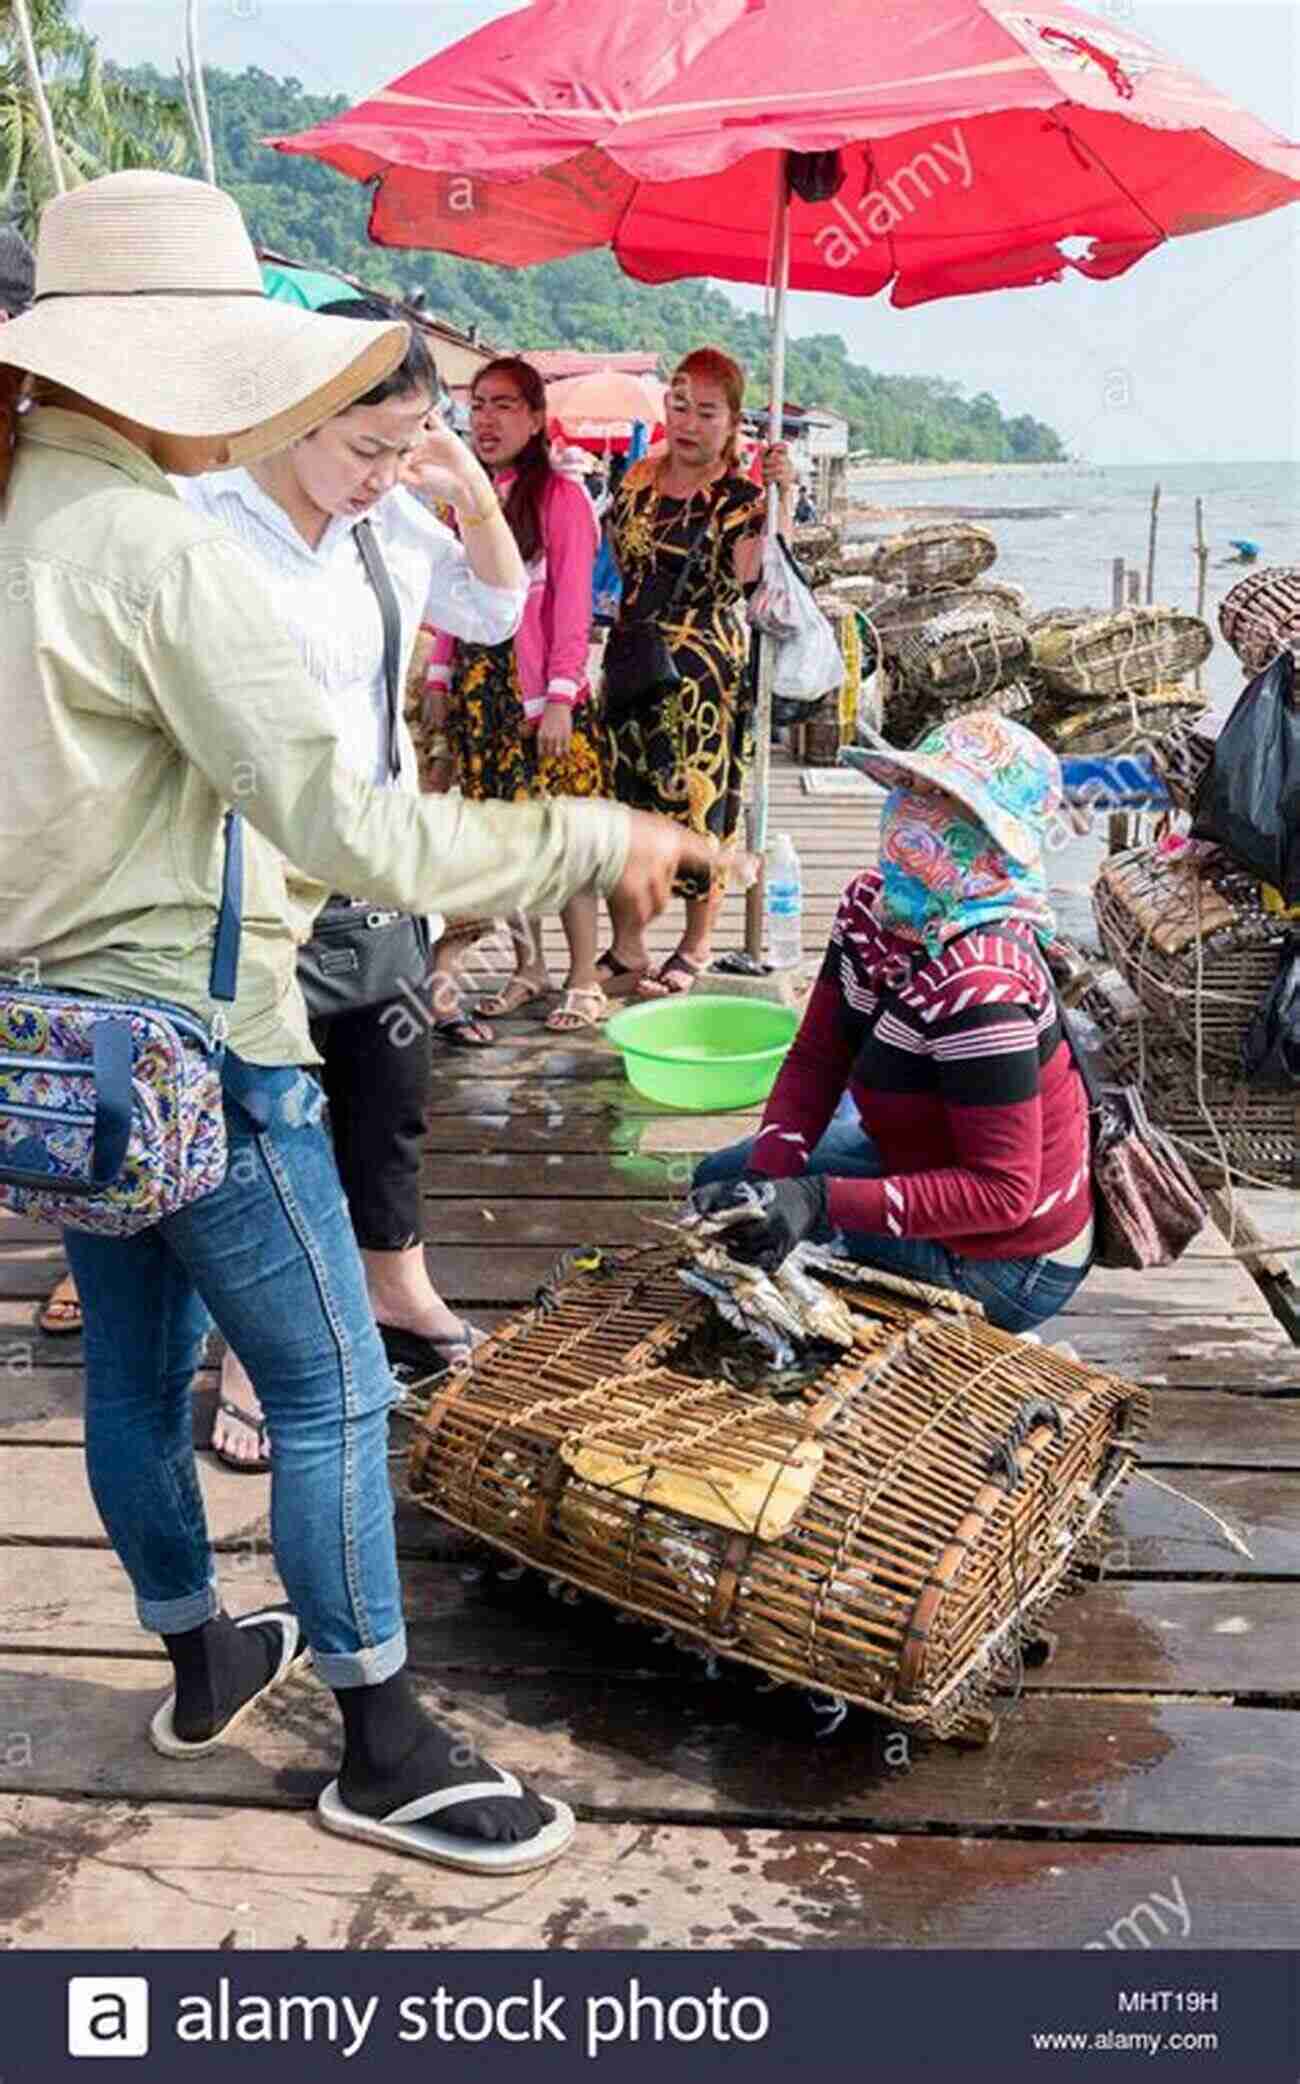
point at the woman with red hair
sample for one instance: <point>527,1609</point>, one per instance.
<point>686,531</point>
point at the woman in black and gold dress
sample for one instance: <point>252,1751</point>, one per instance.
<point>686,750</point>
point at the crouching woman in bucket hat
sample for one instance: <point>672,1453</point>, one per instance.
<point>930,1117</point>
<point>146,686</point>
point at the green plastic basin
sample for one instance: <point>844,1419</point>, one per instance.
<point>703,1052</point>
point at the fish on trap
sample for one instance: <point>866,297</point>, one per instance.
<point>885,1534</point>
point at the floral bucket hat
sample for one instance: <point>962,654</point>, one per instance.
<point>1001,773</point>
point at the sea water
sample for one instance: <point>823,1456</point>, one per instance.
<point>1060,527</point>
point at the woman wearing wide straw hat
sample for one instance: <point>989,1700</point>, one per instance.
<point>930,1113</point>
<point>148,686</point>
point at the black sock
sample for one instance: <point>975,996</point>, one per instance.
<point>393,1752</point>
<point>218,1667</point>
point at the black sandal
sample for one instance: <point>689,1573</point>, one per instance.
<point>620,979</point>
<point>253,1465</point>
<point>464,1032</point>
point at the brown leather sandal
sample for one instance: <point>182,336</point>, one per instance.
<point>662,984</point>
<point>59,1316</point>
<point>620,979</point>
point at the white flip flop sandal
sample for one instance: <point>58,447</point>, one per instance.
<point>407,1829</point>
<point>293,1653</point>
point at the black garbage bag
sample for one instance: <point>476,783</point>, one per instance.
<point>1249,800</point>
<point>1270,1047</point>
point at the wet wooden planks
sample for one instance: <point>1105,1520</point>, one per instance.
<point>233,1878</point>
<point>1167,1718</point>
<point>662,1747</point>
<point>1234,1639</point>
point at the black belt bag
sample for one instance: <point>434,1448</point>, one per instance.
<point>360,955</point>
<point>638,667</point>
<point>638,663</point>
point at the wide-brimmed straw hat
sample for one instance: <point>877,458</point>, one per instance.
<point>149,301</point>
<point>1000,772</point>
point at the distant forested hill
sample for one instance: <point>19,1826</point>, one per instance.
<point>307,211</point>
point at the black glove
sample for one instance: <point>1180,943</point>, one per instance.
<point>792,1209</point>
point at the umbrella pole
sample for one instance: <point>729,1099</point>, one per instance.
<point>754,902</point>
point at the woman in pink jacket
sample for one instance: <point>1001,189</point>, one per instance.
<point>514,721</point>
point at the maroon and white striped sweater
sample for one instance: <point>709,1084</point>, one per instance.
<point>962,1078</point>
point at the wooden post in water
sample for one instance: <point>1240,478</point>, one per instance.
<point>1151,547</point>
<point>1117,582</point>
<point>1202,569</point>
<point>1134,588</point>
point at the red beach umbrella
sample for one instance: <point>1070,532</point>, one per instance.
<point>932,147</point>
<point>981,147</point>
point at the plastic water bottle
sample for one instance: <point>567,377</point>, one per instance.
<point>784,904</point>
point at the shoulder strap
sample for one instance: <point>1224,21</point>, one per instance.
<point>224,974</point>
<point>377,573</point>
<point>697,543</point>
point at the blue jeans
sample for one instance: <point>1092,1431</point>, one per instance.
<point>1017,1294</point>
<point>270,1257</point>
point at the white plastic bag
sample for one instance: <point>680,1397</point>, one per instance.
<point>771,606</point>
<point>808,663</point>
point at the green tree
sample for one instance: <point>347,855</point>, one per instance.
<point>301,208</point>
<point>104,120</point>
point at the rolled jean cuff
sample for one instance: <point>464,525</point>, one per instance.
<point>336,1668</point>
<point>176,1616</point>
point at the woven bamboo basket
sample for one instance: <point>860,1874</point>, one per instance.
<point>935,553</point>
<point>863,1536</point>
<point>900,616</point>
<point>1261,615</point>
<point>1183,758</point>
<point>1061,619</point>
<point>1122,653</point>
<point>912,718</point>
<point>965,652</point>
<point>1190,936</point>
<point>1223,1127</point>
<point>1139,723</point>
<point>817,742</point>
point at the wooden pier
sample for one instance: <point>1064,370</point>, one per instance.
<point>1154,1763</point>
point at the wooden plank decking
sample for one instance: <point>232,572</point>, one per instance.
<point>1154,1764</point>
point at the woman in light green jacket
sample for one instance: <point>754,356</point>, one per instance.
<point>145,688</point>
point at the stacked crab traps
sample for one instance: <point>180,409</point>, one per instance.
<point>880,1522</point>
<point>1108,684</point>
<point>951,642</point>
<point>1194,950</point>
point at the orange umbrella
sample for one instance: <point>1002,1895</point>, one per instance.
<point>605,401</point>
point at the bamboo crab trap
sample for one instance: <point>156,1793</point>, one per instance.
<point>934,553</point>
<point>882,1532</point>
<point>1191,938</point>
<point>962,653</point>
<point>1183,757</point>
<point>911,721</point>
<point>1123,653</point>
<point>1107,728</point>
<point>903,615</point>
<point>1261,615</point>
<point>1224,1128</point>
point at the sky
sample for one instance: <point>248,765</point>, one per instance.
<point>1191,357</point>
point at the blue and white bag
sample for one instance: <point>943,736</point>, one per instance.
<point>111,1113</point>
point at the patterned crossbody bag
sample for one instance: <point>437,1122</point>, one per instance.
<point>111,1112</point>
